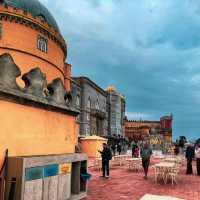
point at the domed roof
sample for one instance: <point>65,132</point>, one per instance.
<point>35,8</point>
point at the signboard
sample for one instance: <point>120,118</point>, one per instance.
<point>34,173</point>
<point>50,170</point>
<point>65,168</point>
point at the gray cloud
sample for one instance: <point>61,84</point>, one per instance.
<point>148,49</point>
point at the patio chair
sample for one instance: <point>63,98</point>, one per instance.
<point>159,174</point>
<point>172,174</point>
<point>117,161</point>
<point>139,167</point>
<point>131,166</point>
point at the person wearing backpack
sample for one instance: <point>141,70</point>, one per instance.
<point>106,156</point>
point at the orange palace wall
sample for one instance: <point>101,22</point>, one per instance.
<point>31,131</point>
<point>27,130</point>
<point>21,42</point>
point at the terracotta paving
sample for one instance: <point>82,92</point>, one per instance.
<point>129,185</point>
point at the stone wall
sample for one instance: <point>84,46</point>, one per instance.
<point>89,116</point>
<point>116,110</point>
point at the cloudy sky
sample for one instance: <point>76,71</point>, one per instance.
<point>148,49</point>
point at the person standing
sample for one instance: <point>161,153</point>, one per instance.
<point>189,156</point>
<point>197,155</point>
<point>133,147</point>
<point>119,148</point>
<point>146,153</point>
<point>137,152</point>
<point>106,156</point>
<point>176,150</point>
<point>113,147</point>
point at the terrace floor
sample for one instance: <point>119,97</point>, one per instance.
<point>128,185</point>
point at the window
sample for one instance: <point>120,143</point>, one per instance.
<point>78,118</point>
<point>88,116</point>
<point>104,105</point>
<point>1,30</point>
<point>89,104</point>
<point>87,131</point>
<point>42,44</point>
<point>78,101</point>
<point>97,104</point>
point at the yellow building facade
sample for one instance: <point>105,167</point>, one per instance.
<point>30,35</point>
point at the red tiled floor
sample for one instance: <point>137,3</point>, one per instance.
<point>128,185</point>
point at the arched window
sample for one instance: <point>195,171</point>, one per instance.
<point>42,44</point>
<point>97,104</point>
<point>78,101</point>
<point>88,116</point>
<point>89,104</point>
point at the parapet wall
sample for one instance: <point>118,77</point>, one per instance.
<point>37,119</point>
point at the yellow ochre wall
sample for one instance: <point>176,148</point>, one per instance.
<point>31,131</point>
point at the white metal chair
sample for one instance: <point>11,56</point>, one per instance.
<point>159,174</point>
<point>172,174</point>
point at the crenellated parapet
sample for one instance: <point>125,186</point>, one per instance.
<point>37,92</point>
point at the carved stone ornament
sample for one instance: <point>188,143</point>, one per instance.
<point>68,99</point>
<point>9,71</point>
<point>57,92</point>
<point>35,93</point>
<point>35,82</point>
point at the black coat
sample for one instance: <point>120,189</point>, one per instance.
<point>106,154</point>
<point>119,148</point>
<point>190,153</point>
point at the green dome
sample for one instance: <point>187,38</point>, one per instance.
<point>35,8</point>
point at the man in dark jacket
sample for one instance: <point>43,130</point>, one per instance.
<point>146,153</point>
<point>189,156</point>
<point>119,148</point>
<point>106,157</point>
<point>113,147</point>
